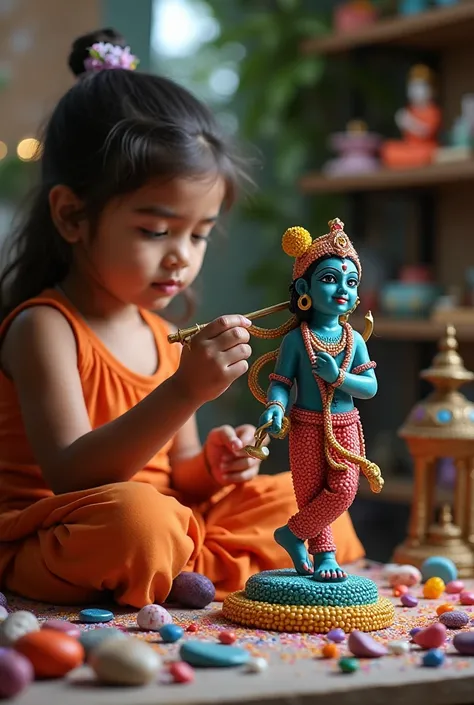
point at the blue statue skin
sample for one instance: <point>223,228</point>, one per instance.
<point>333,290</point>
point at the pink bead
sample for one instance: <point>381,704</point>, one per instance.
<point>182,672</point>
<point>454,587</point>
<point>227,637</point>
<point>466,598</point>
<point>61,625</point>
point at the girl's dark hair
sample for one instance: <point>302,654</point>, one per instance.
<point>109,134</point>
<point>294,296</point>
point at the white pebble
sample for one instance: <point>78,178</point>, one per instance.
<point>125,662</point>
<point>256,665</point>
<point>3,613</point>
<point>398,648</point>
<point>153,617</point>
<point>16,625</point>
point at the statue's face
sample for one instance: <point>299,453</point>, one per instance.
<point>333,288</point>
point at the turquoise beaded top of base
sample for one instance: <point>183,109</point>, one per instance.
<point>286,587</point>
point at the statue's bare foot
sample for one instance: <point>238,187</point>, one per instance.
<point>327,569</point>
<point>295,548</point>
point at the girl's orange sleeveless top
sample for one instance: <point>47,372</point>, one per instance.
<point>110,389</point>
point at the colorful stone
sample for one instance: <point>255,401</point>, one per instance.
<point>94,615</point>
<point>348,665</point>
<point>227,637</point>
<point>16,625</point>
<point>464,643</point>
<point>364,646</point>
<point>92,638</point>
<point>181,672</point>
<point>398,648</point>
<point>171,633</point>
<point>3,613</point>
<point>439,567</point>
<point>131,662</point>
<point>409,600</point>
<point>62,625</point>
<point>192,627</point>
<point>256,665</point>
<point>153,617</point>
<point>466,598</point>
<point>206,653</point>
<point>444,416</point>
<point>454,587</point>
<point>433,658</point>
<point>51,653</point>
<point>433,588</point>
<point>192,590</point>
<point>16,673</point>
<point>454,620</point>
<point>399,590</point>
<point>3,600</point>
<point>431,637</point>
<point>402,575</point>
<point>336,635</point>
<point>330,651</point>
<point>446,607</point>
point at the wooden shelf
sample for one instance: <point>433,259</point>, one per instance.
<point>391,179</point>
<point>398,491</point>
<point>412,329</point>
<point>427,30</point>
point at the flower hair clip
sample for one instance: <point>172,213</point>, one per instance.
<point>103,55</point>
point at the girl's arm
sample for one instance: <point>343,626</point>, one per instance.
<point>363,385</point>
<point>39,354</point>
<point>190,471</point>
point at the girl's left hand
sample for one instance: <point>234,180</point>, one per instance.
<point>224,451</point>
<point>326,367</point>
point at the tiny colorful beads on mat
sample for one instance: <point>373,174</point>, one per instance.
<point>171,633</point>
<point>433,658</point>
<point>283,587</point>
<point>314,619</point>
<point>348,665</point>
<point>93,615</point>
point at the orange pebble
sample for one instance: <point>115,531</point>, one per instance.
<point>399,590</point>
<point>330,651</point>
<point>52,653</point>
<point>444,608</point>
<point>227,637</point>
<point>433,588</point>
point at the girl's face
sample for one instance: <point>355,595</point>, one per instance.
<point>150,244</point>
<point>334,285</point>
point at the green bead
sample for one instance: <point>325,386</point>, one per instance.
<point>348,664</point>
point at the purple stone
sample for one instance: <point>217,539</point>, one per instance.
<point>192,590</point>
<point>408,600</point>
<point>364,646</point>
<point>336,635</point>
<point>454,620</point>
<point>414,631</point>
<point>3,600</point>
<point>464,643</point>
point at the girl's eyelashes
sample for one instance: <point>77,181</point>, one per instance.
<point>155,234</point>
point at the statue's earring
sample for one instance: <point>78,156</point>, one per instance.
<point>304,302</point>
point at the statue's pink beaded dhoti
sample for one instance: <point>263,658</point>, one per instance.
<point>322,492</point>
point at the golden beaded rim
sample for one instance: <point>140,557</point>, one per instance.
<point>314,619</point>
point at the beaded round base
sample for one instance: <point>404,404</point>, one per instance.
<point>283,601</point>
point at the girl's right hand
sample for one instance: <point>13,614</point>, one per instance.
<point>273,414</point>
<point>215,358</point>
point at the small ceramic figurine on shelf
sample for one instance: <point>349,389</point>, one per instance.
<point>354,15</point>
<point>419,124</point>
<point>357,148</point>
<point>329,364</point>
<point>412,7</point>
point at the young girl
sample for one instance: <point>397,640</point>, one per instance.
<point>104,485</point>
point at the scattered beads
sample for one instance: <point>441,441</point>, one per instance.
<point>257,665</point>
<point>330,651</point>
<point>348,665</point>
<point>51,653</point>
<point>336,635</point>
<point>433,658</point>
<point>227,637</point>
<point>3,600</point>
<point>409,600</point>
<point>446,607</point>
<point>433,588</point>
<point>454,620</point>
<point>192,627</point>
<point>153,617</point>
<point>399,590</point>
<point>93,615</point>
<point>170,633</point>
<point>398,648</point>
<point>181,672</point>
<point>454,587</point>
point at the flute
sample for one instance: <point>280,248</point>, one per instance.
<point>183,334</point>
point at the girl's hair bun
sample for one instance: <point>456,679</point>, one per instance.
<point>80,48</point>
